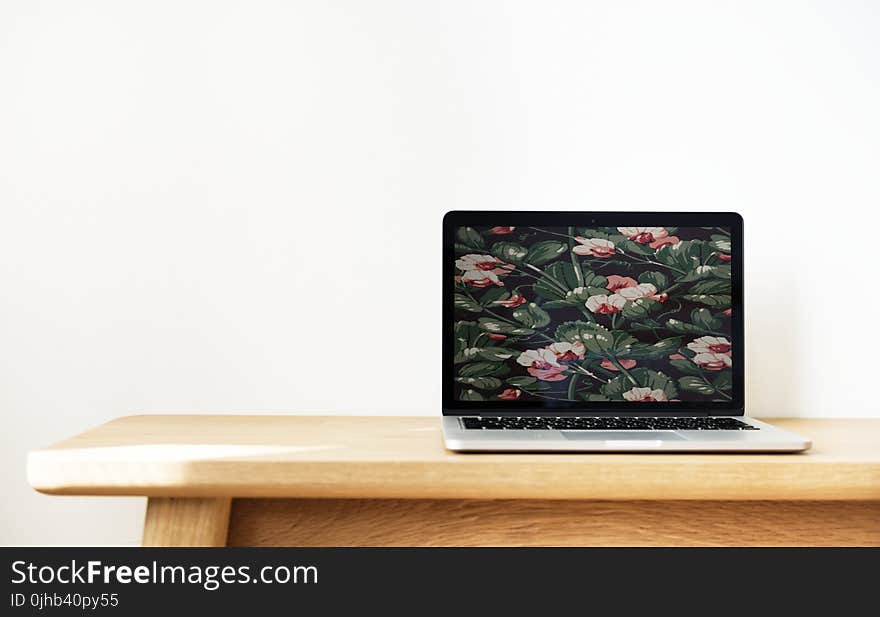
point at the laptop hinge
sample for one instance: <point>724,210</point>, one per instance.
<point>563,413</point>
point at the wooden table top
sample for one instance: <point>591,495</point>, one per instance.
<point>404,457</point>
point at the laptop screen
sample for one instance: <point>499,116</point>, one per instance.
<point>560,315</point>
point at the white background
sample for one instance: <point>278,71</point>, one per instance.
<point>235,206</point>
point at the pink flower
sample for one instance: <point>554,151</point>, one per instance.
<point>723,256</point>
<point>498,337</point>
<point>644,235</point>
<point>500,231</point>
<point>484,263</point>
<point>481,270</point>
<point>616,282</point>
<point>605,305</point>
<point>477,278</point>
<point>511,394</point>
<point>642,290</point>
<point>668,240</point>
<point>728,312</point>
<point>513,301</point>
<point>645,395</point>
<point>608,365</point>
<point>713,361</point>
<point>542,364</point>
<point>597,247</point>
<point>677,356</point>
<point>568,351</point>
<point>710,344</point>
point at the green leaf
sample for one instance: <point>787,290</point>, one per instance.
<point>549,290</point>
<point>465,335</point>
<point>564,273</point>
<point>685,366</point>
<point>721,272</point>
<point>635,248</point>
<point>657,279</point>
<point>556,304</point>
<point>645,325</point>
<point>496,354</point>
<point>483,383</point>
<point>615,388</point>
<point>494,294</point>
<point>545,251</point>
<point>597,339</point>
<point>531,315</point>
<point>464,303</point>
<point>704,319</point>
<point>720,243</point>
<point>577,297</point>
<point>646,378</point>
<point>574,331</point>
<point>593,398</point>
<point>657,351</point>
<point>678,256</point>
<point>483,369</point>
<point>640,308</point>
<point>711,286</point>
<point>471,395</point>
<point>724,381</point>
<point>715,301</point>
<point>703,323</point>
<point>697,274</point>
<point>466,355</point>
<point>529,384</point>
<point>510,252</point>
<point>490,324</point>
<point>470,237</point>
<point>695,384</point>
<point>683,327</point>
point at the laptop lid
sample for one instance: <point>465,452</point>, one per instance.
<point>593,313</point>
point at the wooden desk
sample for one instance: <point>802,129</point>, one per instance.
<point>381,481</point>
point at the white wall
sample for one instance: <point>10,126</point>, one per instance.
<point>235,206</point>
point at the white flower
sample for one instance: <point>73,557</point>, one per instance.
<point>537,356</point>
<point>642,290</point>
<point>597,247</point>
<point>604,305</point>
<point>477,262</point>
<point>713,361</point>
<point>645,395</point>
<point>568,351</point>
<point>643,235</point>
<point>543,365</point>
<point>710,344</point>
<point>481,270</point>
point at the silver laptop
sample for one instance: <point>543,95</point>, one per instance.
<point>597,331</point>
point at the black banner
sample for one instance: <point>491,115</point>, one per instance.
<point>133,581</point>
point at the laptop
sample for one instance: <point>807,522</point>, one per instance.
<point>597,331</point>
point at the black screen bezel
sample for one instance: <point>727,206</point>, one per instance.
<point>732,220</point>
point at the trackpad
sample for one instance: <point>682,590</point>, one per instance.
<point>628,436</point>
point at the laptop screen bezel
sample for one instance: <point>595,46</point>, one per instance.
<point>731,220</point>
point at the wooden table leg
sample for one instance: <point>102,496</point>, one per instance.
<point>175,521</point>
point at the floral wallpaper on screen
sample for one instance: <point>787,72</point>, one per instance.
<point>632,314</point>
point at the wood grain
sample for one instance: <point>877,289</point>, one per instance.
<point>364,522</point>
<point>186,522</point>
<point>404,457</point>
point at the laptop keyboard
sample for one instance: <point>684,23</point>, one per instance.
<point>608,423</point>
